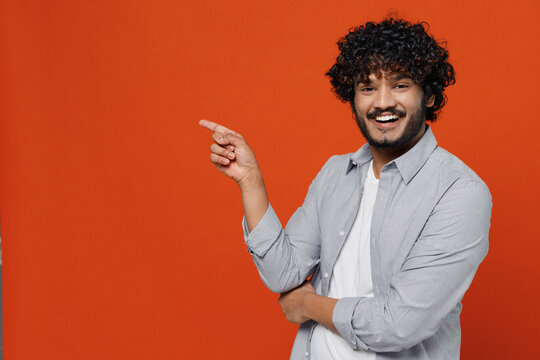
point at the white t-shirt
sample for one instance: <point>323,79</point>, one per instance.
<point>351,277</point>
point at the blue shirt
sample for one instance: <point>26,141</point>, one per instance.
<point>429,233</point>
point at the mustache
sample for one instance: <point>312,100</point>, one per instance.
<point>373,114</point>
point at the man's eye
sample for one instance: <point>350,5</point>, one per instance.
<point>367,89</point>
<point>402,86</point>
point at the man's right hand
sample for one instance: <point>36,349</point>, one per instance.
<point>231,154</point>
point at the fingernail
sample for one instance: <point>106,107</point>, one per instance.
<point>225,161</point>
<point>231,155</point>
<point>220,139</point>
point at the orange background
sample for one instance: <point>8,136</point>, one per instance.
<point>122,241</point>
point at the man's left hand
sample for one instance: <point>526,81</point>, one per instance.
<point>292,302</point>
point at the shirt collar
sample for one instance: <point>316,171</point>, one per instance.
<point>408,164</point>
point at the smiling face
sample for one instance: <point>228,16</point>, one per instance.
<point>390,110</point>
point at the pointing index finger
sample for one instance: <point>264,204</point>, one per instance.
<point>214,126</point>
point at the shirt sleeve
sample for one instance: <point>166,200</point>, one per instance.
<point>431,282</point>
<point>268,227</point>
<point>287,257</point>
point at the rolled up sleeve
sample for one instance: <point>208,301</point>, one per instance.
<point>432,281</point>
<point>259,240</point>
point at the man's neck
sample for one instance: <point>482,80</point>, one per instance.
<point>382,156</point>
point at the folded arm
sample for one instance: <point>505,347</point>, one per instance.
<point>431,282</point>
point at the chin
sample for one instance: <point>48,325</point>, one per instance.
<point>385,141</point>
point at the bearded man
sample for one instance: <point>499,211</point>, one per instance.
<point>391,234</point>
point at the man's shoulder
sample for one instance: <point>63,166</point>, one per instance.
<point>452,168</point>
<point>337,163</point>
<point>340,160</point>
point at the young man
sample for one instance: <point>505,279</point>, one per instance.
<point>393,233</point>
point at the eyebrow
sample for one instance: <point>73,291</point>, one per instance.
<point>396,77</point>
<point>401,77</point>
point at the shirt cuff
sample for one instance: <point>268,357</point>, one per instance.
<point>342,318</point>
<point>265,233</point>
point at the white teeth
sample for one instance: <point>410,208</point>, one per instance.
<point>386,117</point>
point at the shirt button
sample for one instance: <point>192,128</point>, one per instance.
<point>307,354</point>
<point>354,162</point>
<point>341,233</point>
<point>325,275</point>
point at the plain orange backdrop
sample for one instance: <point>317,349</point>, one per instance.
<point>122,241</point>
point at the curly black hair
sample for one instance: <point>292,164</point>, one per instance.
<point>392,45</point>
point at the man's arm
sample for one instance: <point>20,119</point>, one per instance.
<point>431,282</point>
<point>232,155</point>
<point>284,257</point>
<point>254,199</point>
<point>303,303</point>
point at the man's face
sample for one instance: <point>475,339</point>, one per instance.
<point>390,110</point>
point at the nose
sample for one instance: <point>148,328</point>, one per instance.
<point>384,99</point>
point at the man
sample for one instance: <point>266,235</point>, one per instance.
<point>393,233</point>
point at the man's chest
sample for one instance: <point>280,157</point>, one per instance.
<point>400,212</point>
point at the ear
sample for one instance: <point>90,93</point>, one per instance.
<point>430,101</point>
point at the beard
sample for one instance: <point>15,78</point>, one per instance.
<point>415,126</point>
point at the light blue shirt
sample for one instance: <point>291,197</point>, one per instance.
<point>429,233</point>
